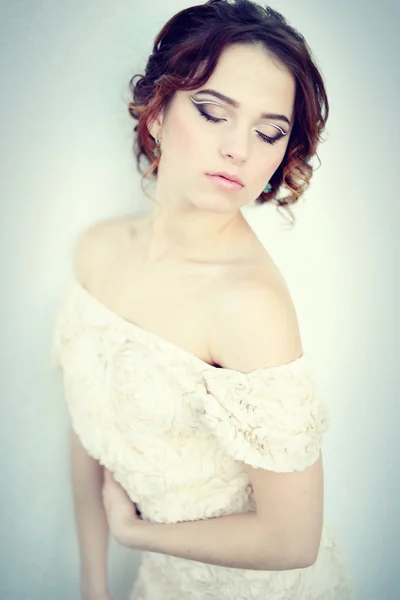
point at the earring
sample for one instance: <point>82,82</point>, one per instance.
<point>157,149</point>
<point>268,188</point>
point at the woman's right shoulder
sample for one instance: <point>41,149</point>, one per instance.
<point>97,244</point>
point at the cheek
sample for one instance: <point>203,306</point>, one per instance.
<point>181,135</point>
<point>275,159</point>
<point>270,162</point>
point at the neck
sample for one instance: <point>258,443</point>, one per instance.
<point>190,233</point>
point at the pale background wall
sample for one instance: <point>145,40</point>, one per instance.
<point>66,162</point>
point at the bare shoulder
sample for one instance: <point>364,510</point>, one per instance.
<point>97,244</point>
<point>254,322</point>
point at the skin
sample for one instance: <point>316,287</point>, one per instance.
<point>196,235</point>
<point>192,214</point>
<point>195,244</point>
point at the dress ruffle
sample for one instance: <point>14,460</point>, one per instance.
<point>271,418</point>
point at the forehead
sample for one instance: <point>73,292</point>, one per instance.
<point>250,75</point>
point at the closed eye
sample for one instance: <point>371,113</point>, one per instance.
<point>262,136</point>
<point>210,119</point>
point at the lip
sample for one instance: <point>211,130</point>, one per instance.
<point>225,184</point>
<point>228,176</point>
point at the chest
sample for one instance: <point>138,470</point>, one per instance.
<point>173,302</point>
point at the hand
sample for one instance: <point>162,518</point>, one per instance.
<point>121,513</point>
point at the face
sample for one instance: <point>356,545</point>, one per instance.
<point>245,133</point>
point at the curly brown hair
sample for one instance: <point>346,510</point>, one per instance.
<point>184,56</point>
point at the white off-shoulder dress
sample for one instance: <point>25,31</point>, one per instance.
<point>176,432</point>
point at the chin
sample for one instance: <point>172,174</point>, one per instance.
<point>218,203</point>
<point>216,206</point>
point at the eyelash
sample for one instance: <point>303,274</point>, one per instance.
<point>262,136</point>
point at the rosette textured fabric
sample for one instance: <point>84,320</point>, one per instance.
<point>177,432</point>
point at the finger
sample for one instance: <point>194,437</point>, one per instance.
<point>115,492</point>
<point>107,474</point>
<point>116,498</point>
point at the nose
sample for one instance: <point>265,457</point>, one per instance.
<point>236,146</point>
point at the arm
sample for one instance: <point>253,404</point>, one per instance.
<point>90,518</point>
<point>240,541</point>
<point>256,327</point>
<point>253,332</point>
<point>86,473</point>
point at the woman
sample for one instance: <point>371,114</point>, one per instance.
<point>184,370</point>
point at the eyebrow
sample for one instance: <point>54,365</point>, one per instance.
<point>236,104</point>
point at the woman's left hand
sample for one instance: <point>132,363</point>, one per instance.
<point>124,523</point>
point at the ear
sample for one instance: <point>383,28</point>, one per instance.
<point>156,125</point>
